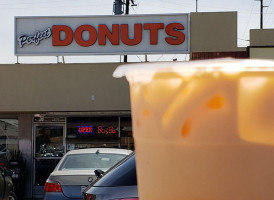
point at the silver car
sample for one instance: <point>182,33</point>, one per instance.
<point>76,170</point>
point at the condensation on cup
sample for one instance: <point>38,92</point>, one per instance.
<point>203,130</point>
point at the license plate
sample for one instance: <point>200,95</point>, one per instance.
<point>83,188</point>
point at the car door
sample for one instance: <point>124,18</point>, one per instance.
<point>2,183</point>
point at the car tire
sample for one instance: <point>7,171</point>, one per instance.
<point>12,196</point>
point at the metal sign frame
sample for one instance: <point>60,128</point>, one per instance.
<point>38,35</point>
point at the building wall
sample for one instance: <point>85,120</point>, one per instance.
<point>213,55</point>
<point>261,43</point>
<point>261,37</point>
<point>213,32</point>
<point>25,146</point>
<point>261,52</point>
<point>62,87</point>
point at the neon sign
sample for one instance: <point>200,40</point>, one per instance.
<point>87,130</point>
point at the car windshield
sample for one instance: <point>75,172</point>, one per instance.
<point>91,161</point>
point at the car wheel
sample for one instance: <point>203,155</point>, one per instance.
<point>12,196</point>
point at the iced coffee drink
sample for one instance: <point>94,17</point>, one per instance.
<point>203,130</point>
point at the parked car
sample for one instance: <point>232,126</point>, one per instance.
<point>119,183</point>
<point>75,171</point>
<point>6,185</point>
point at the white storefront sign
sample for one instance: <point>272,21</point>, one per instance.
<point>115,34</point>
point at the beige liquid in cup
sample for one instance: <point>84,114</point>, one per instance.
<point>203,130</point>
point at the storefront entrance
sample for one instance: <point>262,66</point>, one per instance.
<point>54,136</point>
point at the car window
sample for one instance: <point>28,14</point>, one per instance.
<point>124,174</point>
<point>90,161</point>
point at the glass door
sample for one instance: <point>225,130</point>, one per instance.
<point>48,150</point>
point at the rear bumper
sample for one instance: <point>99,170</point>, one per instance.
<point>57,196</point>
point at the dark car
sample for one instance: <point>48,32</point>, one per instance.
<point>6,185</point>
<point>119,182</point>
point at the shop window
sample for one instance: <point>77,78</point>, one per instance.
<point>8,139</point>
<point>89,132</point>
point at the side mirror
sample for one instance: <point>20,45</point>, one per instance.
<point>99,172</point>
<point>8,172</point>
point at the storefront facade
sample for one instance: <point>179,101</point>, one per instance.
<point>49,109</point>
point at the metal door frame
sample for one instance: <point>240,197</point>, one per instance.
<point>35,125</point>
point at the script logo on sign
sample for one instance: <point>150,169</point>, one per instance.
<point>36,38</point>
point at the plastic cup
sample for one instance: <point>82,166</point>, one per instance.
<point>203,130</point>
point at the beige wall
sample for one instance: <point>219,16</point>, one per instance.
<point>261,43</point>
<point>213,32</point>
<point>261,53</point>
<point>262,37</point>
<point>61,87</point>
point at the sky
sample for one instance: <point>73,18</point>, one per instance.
<point>248,16</point>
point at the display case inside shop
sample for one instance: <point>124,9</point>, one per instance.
<point>49,141</point>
